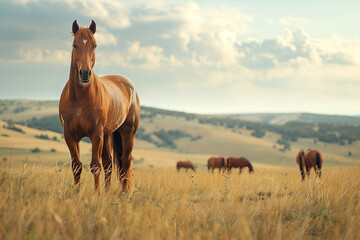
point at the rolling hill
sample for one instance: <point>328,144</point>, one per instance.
<point>283,118</point>
<point>165,137</point>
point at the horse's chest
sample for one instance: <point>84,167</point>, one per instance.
<point>80,123</point>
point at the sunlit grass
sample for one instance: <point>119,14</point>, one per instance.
<point>40,202</point>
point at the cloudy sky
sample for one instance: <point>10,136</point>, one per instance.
<point>196,56</point>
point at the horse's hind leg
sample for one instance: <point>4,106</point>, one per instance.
<point>127,132</point>
<point>107,160</point>
<point>76,164</point>
<point>126,176</point>
<point>308,170</point>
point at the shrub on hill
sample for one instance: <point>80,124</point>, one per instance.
<point>51,123</point>
<point>43,136</point>
<point>14,128</point>
<point>20,109</point>
<point>259,133</point>
<point>35,150</point>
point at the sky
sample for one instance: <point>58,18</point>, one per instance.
<point>208,56</point>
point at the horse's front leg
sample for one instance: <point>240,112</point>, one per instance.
<point>74,149</point>
<point>95,165</point>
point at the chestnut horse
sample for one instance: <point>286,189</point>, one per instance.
<point>312,158</point>
<point>187,165</point>
<point>105,109</point>
<point>233,162</point>
<point>216,162</point>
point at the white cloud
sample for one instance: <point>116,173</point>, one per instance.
<point>146,57</point>
<point>41,56</point>
<point>113,13</point>
<point>297,48</point>
<point>23,2</point>
<point>204,30</point>
<point>103,37</point>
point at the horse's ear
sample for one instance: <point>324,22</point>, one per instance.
<point>93,26</point>
<point>75,27</point>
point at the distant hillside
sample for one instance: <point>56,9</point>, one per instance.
<point>179,135</point>
<point>283,118</point>
<point>326,128</point>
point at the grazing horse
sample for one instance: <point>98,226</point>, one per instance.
<point>105,109</point>
<point>300,159</point>
<point>233,162</point>
<point>187,165</point>
<point>310,159</point>
<point>216,162</point>
<point>313,159</point>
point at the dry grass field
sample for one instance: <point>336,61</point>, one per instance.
<point>40,202</point>
<point>38,199</point>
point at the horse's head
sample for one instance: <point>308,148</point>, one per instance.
<point>83,52</point>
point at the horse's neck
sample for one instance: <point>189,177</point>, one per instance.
<point>80,93</point>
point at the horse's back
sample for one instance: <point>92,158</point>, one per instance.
<point>216,162</point>
<point>312,156</point>
<point>121,81</point>
<point>237,162</point>
<point>124,102</point>
<point>124,85</point>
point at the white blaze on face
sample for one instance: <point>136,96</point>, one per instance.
<point>85,41</point>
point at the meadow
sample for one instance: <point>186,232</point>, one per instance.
<point>40,202</point>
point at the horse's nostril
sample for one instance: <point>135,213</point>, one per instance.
<point>85,74</point>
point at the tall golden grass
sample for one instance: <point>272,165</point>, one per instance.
<point>40,202</point>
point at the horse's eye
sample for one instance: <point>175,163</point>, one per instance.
<point>95,45</point>
<point>75,46</point>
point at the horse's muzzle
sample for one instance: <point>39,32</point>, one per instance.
<point>84,75</point>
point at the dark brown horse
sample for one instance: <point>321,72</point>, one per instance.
<point>185,164</point>
<point>233,162</point>
<point>105,109</point>
<point>311,158</point>
<point>216,162</point>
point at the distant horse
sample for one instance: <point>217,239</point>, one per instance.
<point>233,162</point>
<point>105,109</point>
<point>216,162</point>
<point>187,165</point>
<point>313,159</point>
<point>310,159</point>
<point>300,159</point>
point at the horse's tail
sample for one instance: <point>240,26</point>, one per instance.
<point>318,163</point>
<point>223,162</point>
<point>117,152</point>
<point>301,166</point>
